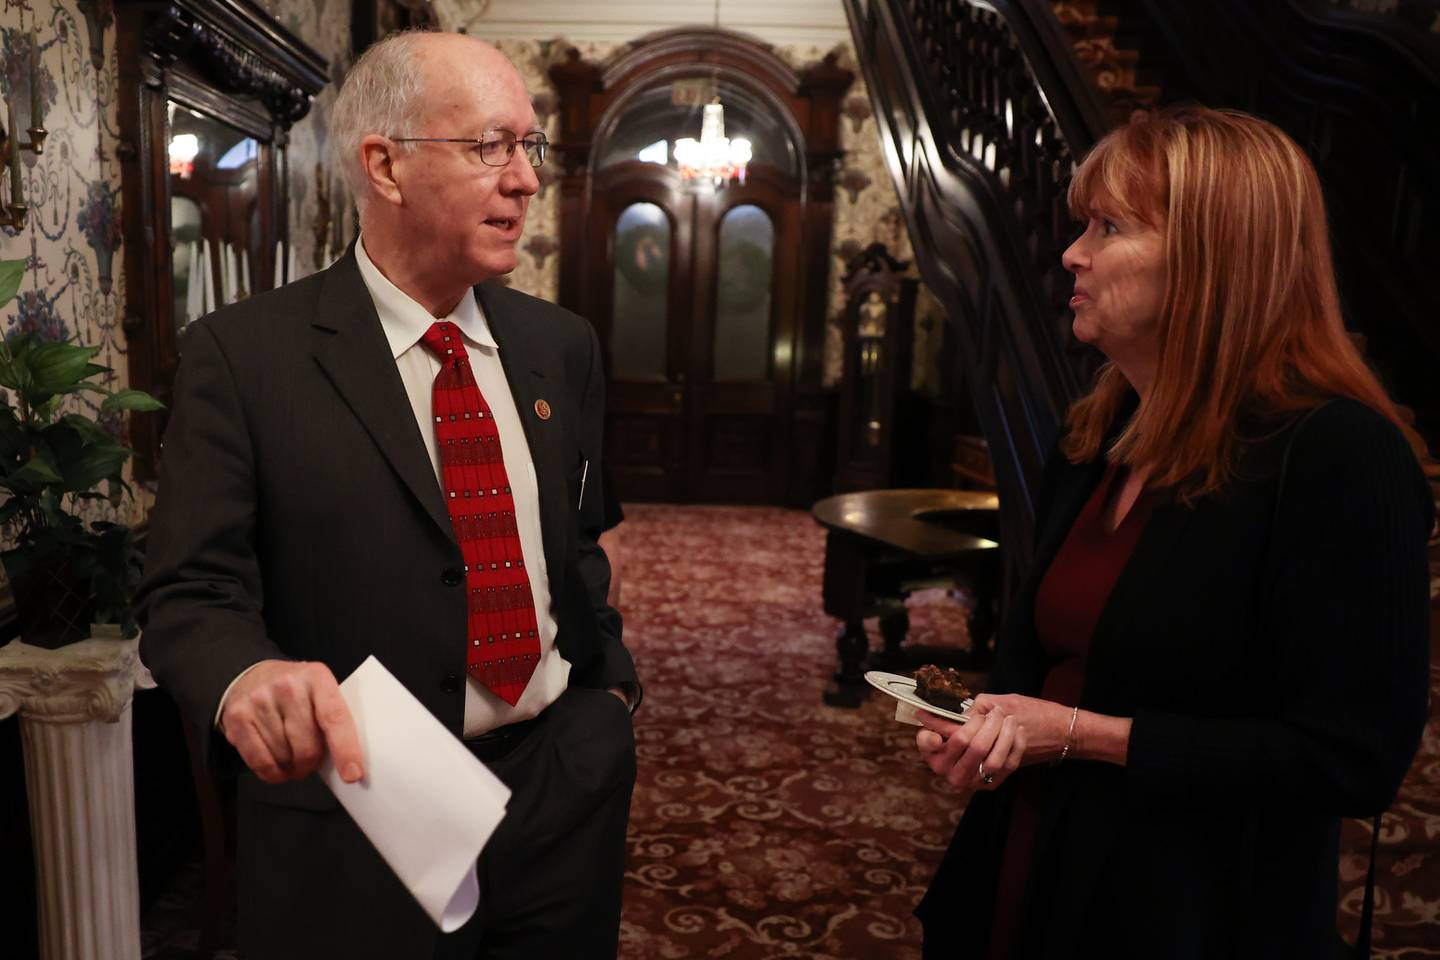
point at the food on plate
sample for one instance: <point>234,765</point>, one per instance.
<point>942,687</point>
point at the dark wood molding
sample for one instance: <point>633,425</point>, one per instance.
<point>688,46</point>
<point>877,371</point>
<point>240,50</point>
<point>983,110</point>
<point>232,61</point>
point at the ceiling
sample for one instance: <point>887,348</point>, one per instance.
<point>811,22</point>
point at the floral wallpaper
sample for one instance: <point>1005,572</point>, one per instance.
<point>73,286</point>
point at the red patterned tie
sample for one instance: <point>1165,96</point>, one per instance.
<point>504,641</point>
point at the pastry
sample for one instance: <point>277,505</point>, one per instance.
<point>944,688</point>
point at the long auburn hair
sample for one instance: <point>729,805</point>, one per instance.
<point>1250,330</point>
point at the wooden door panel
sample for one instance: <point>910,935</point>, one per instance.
<point>645,426</point>
<point>641,452</point>
<point>738,452</point>
<point>739,427</point>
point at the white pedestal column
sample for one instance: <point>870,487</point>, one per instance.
<point>74,706</point>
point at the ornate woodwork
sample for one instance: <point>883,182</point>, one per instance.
<point>983,110</point>
<point>1114,61</point>
<point>231,63</point>
<point>878,325</point>
<point>686,434</point>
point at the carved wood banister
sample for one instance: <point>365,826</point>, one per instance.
<point>983,109</point>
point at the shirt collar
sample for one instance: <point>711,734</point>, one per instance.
<point>405,321</point>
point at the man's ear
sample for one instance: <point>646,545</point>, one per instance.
<point>377,160</point>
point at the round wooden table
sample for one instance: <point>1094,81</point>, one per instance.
<point>880,544</point>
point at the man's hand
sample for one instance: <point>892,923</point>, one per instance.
<point>283,716</point>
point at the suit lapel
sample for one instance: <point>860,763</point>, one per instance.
<point>525,373</point>
<point>351,349</point>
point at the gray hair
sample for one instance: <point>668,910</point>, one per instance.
<point>381,94</point>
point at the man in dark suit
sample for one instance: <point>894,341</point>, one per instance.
<point>397,458</point>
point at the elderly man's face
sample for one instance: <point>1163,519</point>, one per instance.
<point>457,209</point>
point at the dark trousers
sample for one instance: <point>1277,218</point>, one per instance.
<point>311,884</point>
<point>551,876</point>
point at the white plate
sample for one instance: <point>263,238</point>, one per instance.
<point>903,689</point>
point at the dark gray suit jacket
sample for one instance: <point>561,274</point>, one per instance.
<point>299,517</point>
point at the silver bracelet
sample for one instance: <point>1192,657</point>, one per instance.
<point>1069,736</point>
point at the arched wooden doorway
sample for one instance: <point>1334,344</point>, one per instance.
<point>710,304</point>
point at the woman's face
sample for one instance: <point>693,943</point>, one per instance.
<point>1119,267</point>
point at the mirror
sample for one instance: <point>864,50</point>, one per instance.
<point>215,244</point>
<point>208,92</point>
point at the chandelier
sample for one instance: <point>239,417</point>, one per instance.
<point>714,159</point>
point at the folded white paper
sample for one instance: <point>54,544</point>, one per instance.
<point>425,802</point>
<point>907,713</point>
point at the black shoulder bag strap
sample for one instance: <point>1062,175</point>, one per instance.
<point>1367,910</point>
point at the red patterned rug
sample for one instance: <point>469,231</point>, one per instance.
<point>766,825</point>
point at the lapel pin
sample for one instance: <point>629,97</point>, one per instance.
<point>542,409</point>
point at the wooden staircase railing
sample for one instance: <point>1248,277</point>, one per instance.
<point>983,108</point>
<point>1114,60</point>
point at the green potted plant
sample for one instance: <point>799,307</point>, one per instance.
<point>65,573</point>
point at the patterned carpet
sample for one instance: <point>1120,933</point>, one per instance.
<point>766,825</point>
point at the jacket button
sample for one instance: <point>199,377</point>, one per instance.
<point>452,576</point>
<point>450,684</point>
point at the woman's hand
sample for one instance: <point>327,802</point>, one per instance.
<point>1045,722</point>
<point>1040,730</point>
<point>977,755</point>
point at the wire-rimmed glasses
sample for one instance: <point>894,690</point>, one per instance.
<point>495,147</point>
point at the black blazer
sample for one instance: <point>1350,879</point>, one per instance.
<point>299,517</point>
<point>1274,658</point>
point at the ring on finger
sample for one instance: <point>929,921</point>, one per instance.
<point>985,778</point>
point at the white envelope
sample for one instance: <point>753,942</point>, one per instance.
<point>425,802</point>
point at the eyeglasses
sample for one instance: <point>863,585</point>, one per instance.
<point>496,147</point>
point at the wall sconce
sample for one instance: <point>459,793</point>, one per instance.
<point>13,213</point>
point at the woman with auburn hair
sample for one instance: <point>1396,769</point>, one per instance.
<point>1222,646</point>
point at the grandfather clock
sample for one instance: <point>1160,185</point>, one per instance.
<point>878,326</point>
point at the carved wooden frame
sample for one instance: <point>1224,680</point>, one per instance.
<point>232,61</point>
<point>809,101</point>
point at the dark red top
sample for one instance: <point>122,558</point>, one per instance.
<point>1068,604</point>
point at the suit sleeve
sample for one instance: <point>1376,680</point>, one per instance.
<point>201,597</point>
<point>1347,609</point>
<point>615,667</point>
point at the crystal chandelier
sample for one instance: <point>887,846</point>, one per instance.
<point>714,159</point>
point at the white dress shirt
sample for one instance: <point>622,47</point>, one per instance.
<point>405,322</point>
